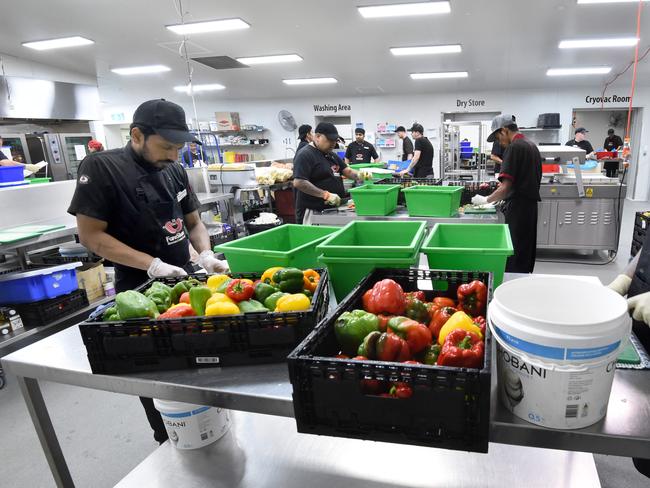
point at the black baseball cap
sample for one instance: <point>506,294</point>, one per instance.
<point>359,130</point>
<point>581,129</point>
<point>164,118</point>
<point>400,129</point>
<point>328,130</point>
<point>610,131</point>
<point>417,128</point>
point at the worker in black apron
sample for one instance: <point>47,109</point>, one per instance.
<point>635,283</point>
<point>520,177</point>
<point>421,164</point>
<point>135,207</point>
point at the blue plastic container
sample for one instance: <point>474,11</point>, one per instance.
<point>9,174</point>
<point>39,284</point>
<point>398,165</point>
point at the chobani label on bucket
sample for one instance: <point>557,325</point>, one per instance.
<point>551,398</point>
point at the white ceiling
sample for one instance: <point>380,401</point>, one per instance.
<point>506,44</point>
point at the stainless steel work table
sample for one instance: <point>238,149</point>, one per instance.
<point>343,216</point>
<point>265,389</point>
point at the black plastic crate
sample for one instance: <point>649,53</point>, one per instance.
<point>641,221</point>
<point>474,188</point>
<point>53,257</point>
<point>450,407</point>
<point>252,228</point>
<point>406,183</point>
<point>222,237</point>
<point>138,345</point>
<point>43,312</point>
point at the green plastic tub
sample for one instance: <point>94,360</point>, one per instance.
<point>432,201</point>
<point>375,199</point>
<point>480,247</point>
<point>346,273</point>
<point>286,245</point>
<point>367,165</point>
<point>375,239</point>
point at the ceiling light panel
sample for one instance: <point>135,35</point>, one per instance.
<point>585,2</point>
<point>282,58</point>
<point>199,88</point>
<point>414,51</point>
<point>310,81</point>
<point>209,26</point>
<point>592,43</point>
<point>404,10</point>
<point>439,75</point>
<point>141,70</point>
<point>58,43</point>
<point>599,70</point>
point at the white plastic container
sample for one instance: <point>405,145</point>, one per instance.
<point>192,426</point>
<point>558,339</point>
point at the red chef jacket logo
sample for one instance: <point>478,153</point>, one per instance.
<point>175,228</point>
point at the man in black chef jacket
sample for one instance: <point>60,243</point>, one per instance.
<point>612,141</point>
<point>496,155</point>
<point>317,173</point>
<point>520,177</point>
<point>360,151</point>
<point>635,283</point>
<point>422,162</point>
<point>580,140</point>
<point>407,144</point>
<point>136,208</point>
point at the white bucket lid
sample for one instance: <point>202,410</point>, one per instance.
<point>559,317</point>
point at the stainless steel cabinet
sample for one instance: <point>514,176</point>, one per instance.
<point>543,222</point>
<point>586,223</point>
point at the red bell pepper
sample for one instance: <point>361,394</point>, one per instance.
<point>177,311</point>
<point>431,308</point>
<point>417,335</point>
<point>482,324</point>
<point>462,349</point>
<point>240,290</point>
<point>386,296</point>
<point>444,302</point>
<point>418,295</point>
<point>439,319</point>
<point>401,390</point>
<point>472,298</point>
<point>383,321</point>
<point>385,347</point>
<point>185,298</point>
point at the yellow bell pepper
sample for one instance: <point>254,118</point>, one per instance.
<point>267,276</point>
<point>222,308</point>
<point>215,281</point>
<point>246,280</point>
<point>460,320</point>
<point>218,298</point>
<point>293,303</point>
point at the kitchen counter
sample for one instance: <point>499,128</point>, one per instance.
<point>342,216</point>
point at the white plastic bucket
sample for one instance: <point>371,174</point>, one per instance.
<point>558,339</point>
<point>192,426</point>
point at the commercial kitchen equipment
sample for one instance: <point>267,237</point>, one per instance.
<point>64,152</point>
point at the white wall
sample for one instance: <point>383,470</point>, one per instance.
<point>425,109</point>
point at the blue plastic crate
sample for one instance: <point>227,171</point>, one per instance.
<point>38,284</point>
<point>9,174</point>
<point>398,165</point>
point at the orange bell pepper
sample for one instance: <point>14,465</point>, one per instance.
<point>310,279</point>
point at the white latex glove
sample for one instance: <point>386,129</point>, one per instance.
<point>640,306</point>
<point>621,284</point>
<point>479,200</point>
<point>160,269</point>
<point>211,264</point>
<point>332,199</point>
<point>32,167</point>
<point>364,174</point>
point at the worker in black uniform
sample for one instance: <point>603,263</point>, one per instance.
<point>422,162</point>
<point>580,140</point>
<point>496,155</point>
<point>317,173</point>
<point>305,135</point>
<point>360,150</point>
<point>520,177</point>
<point>135,207</point>
<point>407,144</point>
<point>612,141</point>
<point>192,155</point>
<point>635,283</point>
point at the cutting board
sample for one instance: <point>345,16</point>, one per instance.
<point>9,237</point>
<point>34,228</point>
<point>471,210</point>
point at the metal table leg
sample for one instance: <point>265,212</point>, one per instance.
<point>45,430</point>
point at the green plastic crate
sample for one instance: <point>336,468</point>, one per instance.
<point>346,273</point>
<point>286,245</point>
<point>375,199</point>
<point>480,247</point>
<point>34,181</point>
<point>432,201</point>
<point>375,238</point>
<point>367,165</point>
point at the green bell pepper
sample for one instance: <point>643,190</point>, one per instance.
<point>289,280</point>
<point>198,296</point>
<point>417,310</point>
<point>431,354</point>
<point>134,305</point>
<point>251,306</point>
<point>222,287</point>
<point>111,314</point>
<point>272,300</point>
<point>183,286</point>
<point>161,294</point>
<point>352,327</point>
<point>263,291</point>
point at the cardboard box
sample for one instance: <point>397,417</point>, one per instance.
<point>91,277</point>
<point>227,120</point>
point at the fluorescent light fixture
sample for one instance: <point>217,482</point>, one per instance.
<point>209,26</point>
<point>141,70</point>
<point>281,58</point>
<point>57,43</point>
<point>585,2</point>
<point>199,88</point>
<point>309,81</point>
<point>600,70</point>
<point>405,9</point>
<point>439,75</point>
<point>586,43</point>
<point>411,51</point>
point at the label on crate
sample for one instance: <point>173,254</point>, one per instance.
<point>207,360</point>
